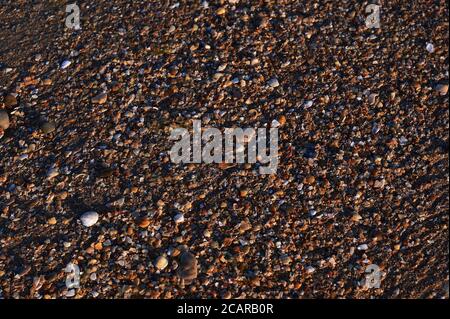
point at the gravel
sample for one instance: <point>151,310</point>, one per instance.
<point>362,116</point>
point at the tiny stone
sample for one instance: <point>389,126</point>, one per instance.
<point>308,104</point>
<point>10,100</point>
<point>100,98</point>
<point>207,233</point>
<point>188,266</point>
<point>222,67</point>
<point>65,64</point>
<point>363,247</point>
<point>244,192</point>
<point>48,127</point>
<point>285,259</point>
<point>144,223</point>
<point>4,120</point>
<point>52,172</point>
<point>373,98</point>
<point>310,269</point>
<point>88,219</point>
<point>226,295</point>
<point>273,82</point>
<point>221,11</point>
<point>179,218</point>
<point>310,180</point>
<point>282,120</point>
<point>442,88</point>
<point>161,262</point>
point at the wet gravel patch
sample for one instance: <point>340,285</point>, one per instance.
<point>85,119</point>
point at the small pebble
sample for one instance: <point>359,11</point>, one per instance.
<point>441,88</point>
<point>10,100</point>
<point>4,120</point>
<point>52,173</point>
<point>273,82</point>
<point>48,127</point>
<point>89,219</point>
<point>308,104</point>
<point>187,269</point>
<point>221,11</point>
<point>161,262</point>
<point>100,98</point>
<point>65,64</point>
<point>179,218</point>
<point>310,269</point>
<point>363,247</point>
<point>144,223</point>
<point>244,192</point>
<point>356,217</point>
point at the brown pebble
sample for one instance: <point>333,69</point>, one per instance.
<point>282,120</point>
<point>161,262</point>
<point>188,266</point>
<point>244,192</point>
<point>310,180</point>
<point>100,98</point>
<point>4,120</point>
<point>221,11</point>
<point>48,127</point>
<point>144,222</point>
<point>10,100</point>
<point>356,217</point>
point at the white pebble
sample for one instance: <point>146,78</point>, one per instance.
<point>430,47</point>
<point>88,219</point>
<point>363,247</point>
<point>308,104</point>
<point>65,64</point>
